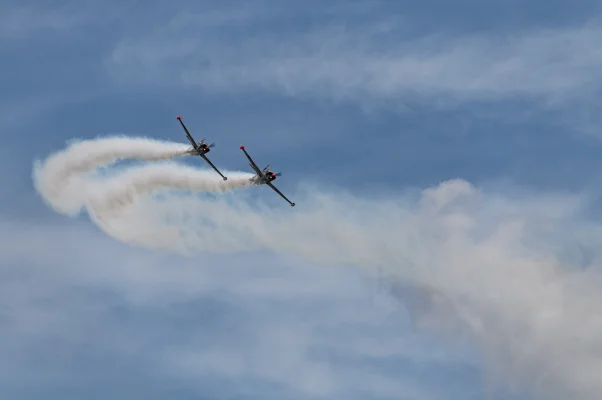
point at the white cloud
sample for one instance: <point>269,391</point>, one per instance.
<point>362,63</point>
<point>250,318</point>
<point>22,22</point>
<point>51,33</point>
<point>506,265</point>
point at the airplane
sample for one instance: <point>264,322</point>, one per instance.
<point>201,148</point>
<point>265,176</point>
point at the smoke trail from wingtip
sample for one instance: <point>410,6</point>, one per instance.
<point>124,188</point>
<point>56,178</point>
<point>107,199</point>
<point>67,183</point>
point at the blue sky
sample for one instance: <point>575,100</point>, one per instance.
<point>444,158</point>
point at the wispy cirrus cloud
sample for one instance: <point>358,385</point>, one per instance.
<point>34,21</point>
<point>17,23</point>
<point>47,58</point>
<point>378,61</point>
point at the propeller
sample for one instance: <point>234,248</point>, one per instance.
<point>278,174</point>
<point>211,145</point>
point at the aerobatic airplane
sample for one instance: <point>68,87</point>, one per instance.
<point>265,176</point>
<point>201,148</point>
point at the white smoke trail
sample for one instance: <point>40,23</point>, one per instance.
<point>67,183</point>
<point>512,295</point>
<point>106,200</point>
<point>109,194</point>
<point>499,262</point>
<point>58,179</point>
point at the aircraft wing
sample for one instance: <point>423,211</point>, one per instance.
<point>252,163</point>
<point>188,135</point>
<point>280,193</point>
<point>213,166</point>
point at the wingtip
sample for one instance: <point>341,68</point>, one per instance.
<point>225,178</point>
<point>178,117</point>
<point>292,205</point>
<point>242,147</point>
